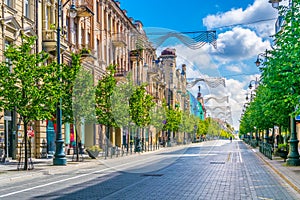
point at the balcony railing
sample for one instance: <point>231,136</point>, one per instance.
<point>119,40</point>
<point>120,74</point>
<point>153,70</point>
<point>84,8</point>
<point>50,41</point>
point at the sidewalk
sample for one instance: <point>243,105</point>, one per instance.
<point>9,172</point>
<point>290,174</point>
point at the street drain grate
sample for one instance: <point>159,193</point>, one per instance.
<point>217,162</point>
<point>152,174</point>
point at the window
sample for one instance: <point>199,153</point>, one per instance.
<point>75,34</point>
<point>109,23</point>
<point>83,39</point>
<point>26,8</point>
<point>48,17</point>
<point>89,40</point>
<point>98,49</point>
<point>8,3</point>
<point>67,29</point>
<point>98,12</point>
<point>7,43</point>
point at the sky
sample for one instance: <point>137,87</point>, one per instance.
<point>244,29</point>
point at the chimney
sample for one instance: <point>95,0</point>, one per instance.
<point>183,69</point>
<point>118,3</point>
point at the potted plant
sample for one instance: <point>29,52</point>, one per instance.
<point>52,26</point>
<point>93,151</point>
<point>283,150</point>
<point>85,51</point>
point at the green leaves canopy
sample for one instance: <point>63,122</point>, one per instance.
<point>104,92</point>
<point>27,84</point>
<point>278,93</point>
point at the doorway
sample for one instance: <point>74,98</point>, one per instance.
<point>8,136</point>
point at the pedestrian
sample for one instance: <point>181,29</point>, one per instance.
<point>230,139</point>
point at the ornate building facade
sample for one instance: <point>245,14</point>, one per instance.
<point>104,34</point>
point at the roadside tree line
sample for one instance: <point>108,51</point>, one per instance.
<point>33,84</point>
<point>278,94</point>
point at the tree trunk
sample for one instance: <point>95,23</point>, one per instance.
<point>107,139</point>
<point>76,139</point>
<point>25,145</point>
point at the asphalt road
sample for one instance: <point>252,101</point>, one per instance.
<point>210,170</point>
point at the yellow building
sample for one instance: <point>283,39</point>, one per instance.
<point>103,30</point>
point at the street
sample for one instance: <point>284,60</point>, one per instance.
<point>217,169</point>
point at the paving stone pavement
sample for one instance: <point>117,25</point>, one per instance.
<point>229,171</point>
<point>215,177</point>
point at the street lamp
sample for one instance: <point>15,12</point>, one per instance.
<point>275,3</point>
<point>59,156</point>
<point>256,83</point>
<point>259,60</point>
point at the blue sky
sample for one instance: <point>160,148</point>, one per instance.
<point>238,45</point>
<point>178,15</point>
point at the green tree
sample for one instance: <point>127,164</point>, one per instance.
<point>188,124</point>
<point>83,102</point>
<point>158,117</point>
<point>104,92</point>
<point>120,102</point>
<point>28,85</point>
<point>140,104</point>
<point>69,75</point>
<point>173,120</point>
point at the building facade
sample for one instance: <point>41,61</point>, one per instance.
<point>103,33</point>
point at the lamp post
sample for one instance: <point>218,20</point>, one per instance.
<point>195,131</point>
<point>184,95</point>
<point>293,156</point>
<point>169,106</point>
<point>59,156</point>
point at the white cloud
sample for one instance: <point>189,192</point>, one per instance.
<point>258,12</point>
<point>236,100</point>
<point>234,68</point>
<point>239,44</point>
<point>199,61</point>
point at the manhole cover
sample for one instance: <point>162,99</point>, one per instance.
<point>152,174</point>
<point>217,162</point>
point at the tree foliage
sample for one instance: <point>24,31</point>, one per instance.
<point>277,96</point>
<point>173,121</point>
<point>104,92</point>
<point>69,75</point>
<point>28,85</point>
<point>140,104</point>
<point>120,102</point>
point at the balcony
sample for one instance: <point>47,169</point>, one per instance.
<point>84,8</point>
<point>86,53</point>
<point>153,71</point>
<point>119,40</point>
<point>135,54</point>
<point>120,75</point>
<point>155,95</point>
<point>50,42</point>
